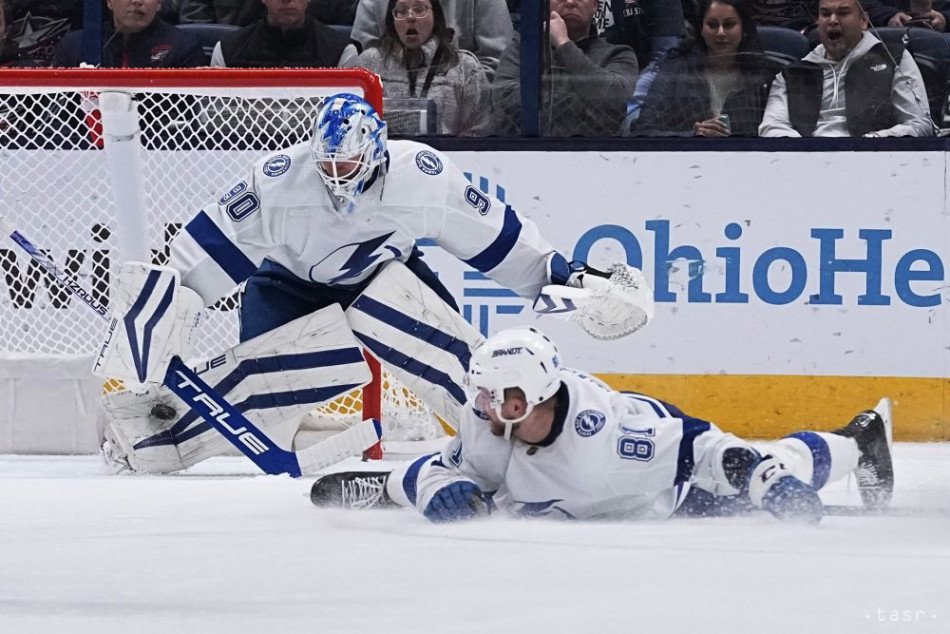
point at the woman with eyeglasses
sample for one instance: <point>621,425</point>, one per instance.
<point>481,27</point>
<point>419,65</point>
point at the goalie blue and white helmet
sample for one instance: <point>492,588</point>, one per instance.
<point>522,358</point>
<point>348,145</point>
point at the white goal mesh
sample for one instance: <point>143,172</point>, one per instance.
<point>67,186</point>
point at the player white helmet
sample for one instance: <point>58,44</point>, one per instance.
<point>522,358</point>
<point>348,144</point>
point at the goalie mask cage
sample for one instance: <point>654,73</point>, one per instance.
<point>101,166</point>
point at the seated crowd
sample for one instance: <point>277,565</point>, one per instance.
<point>609,67</point>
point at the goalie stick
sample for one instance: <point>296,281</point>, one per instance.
<point>206,402</point>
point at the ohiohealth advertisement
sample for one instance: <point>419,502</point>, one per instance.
<point>790,287</point>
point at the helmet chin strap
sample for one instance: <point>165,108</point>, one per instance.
<point>511,422</point>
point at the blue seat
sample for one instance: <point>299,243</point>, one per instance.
<point>209,34</point>
<point>918,41</point>
<point>931,50</point>
<point>787,45</point>
<point>345,29</point>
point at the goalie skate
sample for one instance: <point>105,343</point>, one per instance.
<point>872,431</point>
<point>352,490</point>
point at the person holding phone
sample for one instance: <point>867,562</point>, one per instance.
<point>928,14</point>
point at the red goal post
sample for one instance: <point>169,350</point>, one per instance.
<point>103,165</point>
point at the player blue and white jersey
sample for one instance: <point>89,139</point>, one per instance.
<point>609,454</point>
<point>284,213</point>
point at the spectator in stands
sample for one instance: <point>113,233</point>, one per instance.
<point>233,12</point>
<point>848,85</point>
<point>417,60</point>
<point>715,85</point>
<point>341,12</point>
<point>652,28</point>
<point>136,38</point>
<point>929,14</point>
<point>586,81</point>
<point>791,14</point>
<point>34,27</point>
<point>245,12</point>
<point>5,53</point>
<point>482,27</point>
<point>285,37</point>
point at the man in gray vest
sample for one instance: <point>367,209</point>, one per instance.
<point>851,84</point>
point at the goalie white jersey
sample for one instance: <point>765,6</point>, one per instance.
<point>282,212</point>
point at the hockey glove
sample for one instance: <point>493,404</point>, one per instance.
<point>772,487</point>
<point>153,320</point>
<point>460,500</point>
<point>607,305</point>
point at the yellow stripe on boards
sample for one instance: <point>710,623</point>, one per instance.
<point>766,406</point>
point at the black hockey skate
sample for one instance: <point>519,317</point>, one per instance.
<point>352,490</point>
<point>871,430</point>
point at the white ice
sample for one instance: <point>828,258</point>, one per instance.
<point>219,549</point>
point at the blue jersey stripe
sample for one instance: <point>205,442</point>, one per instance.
<point>686,460</point>
<point>498,250</point>
<point>224,252</point>
<point>820,457</point>
<point>661,409</point>
<point>415,328</point>
<point>409,484</point>
<point>692,427</point>
<point>560,269</point>
<point>413,366</point>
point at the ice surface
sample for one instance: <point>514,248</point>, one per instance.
<point>220,550</point>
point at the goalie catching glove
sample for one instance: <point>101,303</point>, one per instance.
<point>607,305</point>
<point>154,318</point>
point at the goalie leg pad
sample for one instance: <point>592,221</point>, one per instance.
<point>272,379</point>
<point>420,339</point>
<point>155,318</point>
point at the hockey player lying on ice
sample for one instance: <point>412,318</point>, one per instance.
<point>540,439</point>
<point>311,229</point>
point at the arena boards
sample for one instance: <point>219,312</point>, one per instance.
<point>792,287</point>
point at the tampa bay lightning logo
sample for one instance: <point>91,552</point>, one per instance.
<point>429,163</point>
<point>589,422</point>
<point>352,260</point>
<point>276,165</point>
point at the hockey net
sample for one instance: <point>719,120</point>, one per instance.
<point>70,184</point>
